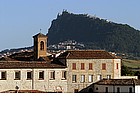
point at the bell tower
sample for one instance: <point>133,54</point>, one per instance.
<point>40,46</point>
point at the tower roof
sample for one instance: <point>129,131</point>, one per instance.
<point>39,35</point>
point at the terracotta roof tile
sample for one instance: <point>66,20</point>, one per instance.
<point>6,58</point>
<point>87,54</point>
<point>31,64</point>
<point>118,82</point>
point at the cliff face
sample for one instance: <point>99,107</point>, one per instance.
<point>94,33</point>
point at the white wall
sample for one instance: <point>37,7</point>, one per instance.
<point>43,85</point>
<point>112,89</point>
<point>137,89</point>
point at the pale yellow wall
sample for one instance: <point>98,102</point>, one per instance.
<point>42,53</point>
<point>97,70</point>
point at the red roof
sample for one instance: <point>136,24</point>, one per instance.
<point>29,64</point>
<point>118,82</point>
<point>87,54</point>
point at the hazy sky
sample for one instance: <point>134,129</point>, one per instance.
<point>21,19</point>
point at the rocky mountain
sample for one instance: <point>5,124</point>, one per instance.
<point>94,33</point>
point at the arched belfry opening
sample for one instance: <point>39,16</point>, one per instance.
<point>40,46</point>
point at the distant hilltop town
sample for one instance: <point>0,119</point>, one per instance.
<point>66,71</point>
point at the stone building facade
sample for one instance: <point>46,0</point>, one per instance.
<point>71,71</point>
<point>114,86</point>
<point>86,67</point>
<point>33,71</point>
<point>32,76</point>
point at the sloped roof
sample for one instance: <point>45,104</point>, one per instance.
<point>39,35</point>
<point>7,58</point>
<point>23,56</point>
<point>87,54</point>
<point>26,65</point>
<point>118,82</point>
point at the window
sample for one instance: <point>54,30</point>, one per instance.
<point>118,90</point>
<point>103,66</point>
<point>90,78</point>
<point>130,90</point>
<point>74,66</point>
<point>82,66</point>
<point>52,75</point>
<point>41,45</point>
<point>17,75</point>
<point>99,77</point>
<point>108,76</point>
<point>74,78</point>
<point>82,79</point>
<point>106,89</point>
<point>41,75</point>
<point>29,75</point>
<point>90,66</point>
<point>117,66</point>
<point>75,90</point>
<point>3,75</point>
<point>64,75</point>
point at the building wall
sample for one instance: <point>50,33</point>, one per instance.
<point>137,89</point>
<point>46,84</point>
<point>112,89</point>
<point>117,71</point>
<point>37,52</point>
<point>97,70</point>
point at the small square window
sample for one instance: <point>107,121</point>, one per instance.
<point>82,79</point>
<point>17,75</point>
<point>90,66</point>
<point>74,78</point>
<point>130,90</point>
<point>29,75</point>
<point>3,75</point>
<point>118,90</point>
<point>82,66</point>
<point>76,90</point>
<point>104,66</point>
<point>90,78</point>
<point>52,75</point>
<point>108,76</point>
<point>117,66</point>
<point>64,75</point>
<point>99,77</point>
<point>74,66</point>
<point>106,89</point>
<point>41,75</point>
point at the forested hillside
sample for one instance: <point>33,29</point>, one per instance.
<point>95,33</point>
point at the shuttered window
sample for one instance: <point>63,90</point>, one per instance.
<point>82,66</point>
<point>90,66</point>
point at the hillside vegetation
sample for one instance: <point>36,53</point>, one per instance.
<point>95,33</point>
<point>133,64</point>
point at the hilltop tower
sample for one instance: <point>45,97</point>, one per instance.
<point>40,46</point>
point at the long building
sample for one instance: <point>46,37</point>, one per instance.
<point>71,71</point>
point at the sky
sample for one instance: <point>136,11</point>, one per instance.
<point>21,19</point>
